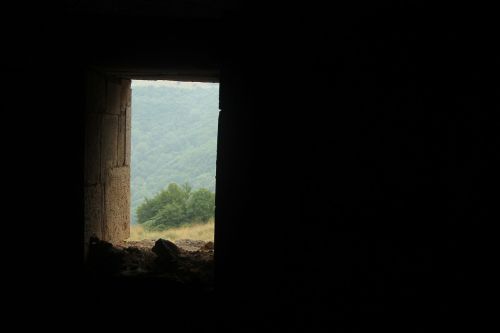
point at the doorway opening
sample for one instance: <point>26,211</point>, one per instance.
<point>173,159</point>
<point>150,162</point>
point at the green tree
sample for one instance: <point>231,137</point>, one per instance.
<point>176,205</point>
<point>173,194</point>
<point>171,215</point>
<point>201,205</point>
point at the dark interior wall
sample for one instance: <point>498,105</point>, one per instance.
<point>356,147</point>
<point>349,159</point>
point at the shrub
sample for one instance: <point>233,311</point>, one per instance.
<point>175,206</point>
<point>201,205</point>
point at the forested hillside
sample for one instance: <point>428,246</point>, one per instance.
<point>174,137</point>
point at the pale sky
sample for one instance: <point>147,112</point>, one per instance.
<point>173,84</point>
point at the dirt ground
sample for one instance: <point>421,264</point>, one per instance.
<point>188,262</point>
<point>188,245</point>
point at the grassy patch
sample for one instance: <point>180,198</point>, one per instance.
<point>204,232</point>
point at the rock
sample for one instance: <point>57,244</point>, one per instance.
<point>104,258</point>
<point>166,251</point>
<point>209,246</point>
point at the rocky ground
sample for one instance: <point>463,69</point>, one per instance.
<point>186,262</point>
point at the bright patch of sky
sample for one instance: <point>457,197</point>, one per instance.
<point>173,84</point>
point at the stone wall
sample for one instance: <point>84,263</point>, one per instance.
<point>107,157</point>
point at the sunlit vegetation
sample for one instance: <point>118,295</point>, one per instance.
<point>197,231</point>
<point>176,206</point>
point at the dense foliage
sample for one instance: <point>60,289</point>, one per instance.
<point>174,140</point>
<point>176,205</point>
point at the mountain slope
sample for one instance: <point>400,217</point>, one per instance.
<point>174,137</point>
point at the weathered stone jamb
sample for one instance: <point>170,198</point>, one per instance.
<point>107,157</point>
